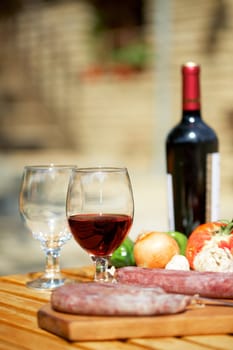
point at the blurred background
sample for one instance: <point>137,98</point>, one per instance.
<point>98,82</point>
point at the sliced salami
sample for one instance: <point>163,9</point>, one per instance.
<point>205,284</point>
<point>116,299</point>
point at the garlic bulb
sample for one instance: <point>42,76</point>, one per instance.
<point>178,262</point>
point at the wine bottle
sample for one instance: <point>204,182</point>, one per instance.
<point>192,161</point>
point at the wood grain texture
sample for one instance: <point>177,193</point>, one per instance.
<point>19,329</point>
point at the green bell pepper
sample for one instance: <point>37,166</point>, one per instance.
<point>181,239</point>
<point>123,255</point>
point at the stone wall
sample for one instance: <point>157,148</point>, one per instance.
<point>121,117</point>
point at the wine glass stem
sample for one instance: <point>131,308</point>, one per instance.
<point>101,269</point>
<point>52,267</point>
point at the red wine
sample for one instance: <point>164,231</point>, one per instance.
<point>99,234</point>
<point>192,162</point>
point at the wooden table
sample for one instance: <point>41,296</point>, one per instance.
<point>19,329</point>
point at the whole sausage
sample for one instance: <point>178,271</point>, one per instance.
<point>113,299</point>
<point>205,284</point>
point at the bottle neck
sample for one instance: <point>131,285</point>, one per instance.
<point>191,88</point>
<point>189,116</point>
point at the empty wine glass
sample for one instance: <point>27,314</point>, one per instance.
<point>42,204</point>
<point>100,210</point>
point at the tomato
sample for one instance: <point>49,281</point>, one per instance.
<point>231,243</point>
<point>224,244</point>
<point>205,232</point>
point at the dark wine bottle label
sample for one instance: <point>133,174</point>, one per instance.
<point>171,209</point>
<point>212,191</point>
<point>212,186</point>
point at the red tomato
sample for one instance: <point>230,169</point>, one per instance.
<point>224,244</point>
<point>231,243</point>
<point>202,234</point>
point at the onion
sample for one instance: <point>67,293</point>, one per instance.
<point>154,249</point>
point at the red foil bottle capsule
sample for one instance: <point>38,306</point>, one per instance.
<point>191,87</point>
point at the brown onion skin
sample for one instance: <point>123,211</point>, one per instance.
<point>154,249</point>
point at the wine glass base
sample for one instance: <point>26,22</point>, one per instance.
<point>45,284</point>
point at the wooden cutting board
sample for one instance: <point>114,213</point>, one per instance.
<point>195,320</point>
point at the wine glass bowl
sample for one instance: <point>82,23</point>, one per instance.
<point>100,212</point>
<point>42,204</point>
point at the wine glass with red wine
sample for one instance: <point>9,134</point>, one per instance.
<point>100,210</point>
